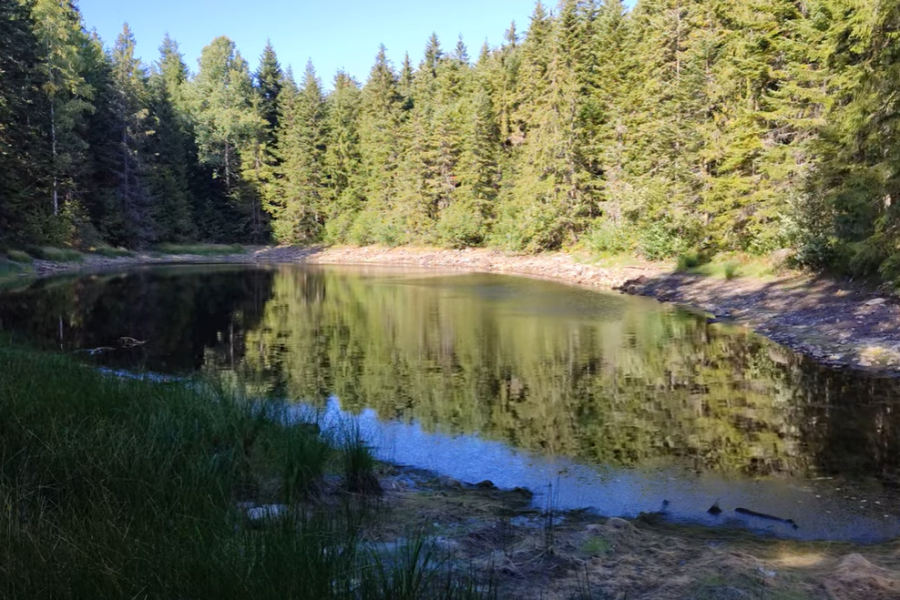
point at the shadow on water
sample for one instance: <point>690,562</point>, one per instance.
<point>616,400</point>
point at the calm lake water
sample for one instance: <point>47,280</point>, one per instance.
<point>589,399</point>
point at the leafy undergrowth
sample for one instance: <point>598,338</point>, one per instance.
<point>200,249</point>
<point>122,488</point>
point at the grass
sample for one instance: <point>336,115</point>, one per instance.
<point>728,266</point>
<point>200,249</point>
<point>19,256</point>
<point>55,254</point>
<point>110,252</point>
<point>120,488</point>
<point>10,270</point>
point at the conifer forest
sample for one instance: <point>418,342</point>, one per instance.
<point>676,125</point>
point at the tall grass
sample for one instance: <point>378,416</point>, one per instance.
<point>55,254</point>
<point>110,252</point>
<point>119,488</point>
<point>200,249</point>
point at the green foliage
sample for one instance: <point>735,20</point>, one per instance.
<point>724,125</point>
<point>731,270</point>
<point>659,241</point>
<point>688,261</point>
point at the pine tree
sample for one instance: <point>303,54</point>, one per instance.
<point>229,129</point>
<point>24,120</point>
<point>298,211</point>
<point>132,114</point>
<point>379,122</point>
<point>344,194</point>
<point>171,148</point>
<point>62,39</point>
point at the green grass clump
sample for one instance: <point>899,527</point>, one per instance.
<point>110,252</point>
<point>122,488</point>
<point>55,254</point>
<point>200,249</point>
<point>688,261</point>
<point>19,256</point>
<point>730,270</point>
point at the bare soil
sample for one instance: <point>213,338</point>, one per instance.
<point>839,324</point>
<point>535,554</point>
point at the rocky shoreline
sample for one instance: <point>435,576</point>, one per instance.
<point>840,325</point>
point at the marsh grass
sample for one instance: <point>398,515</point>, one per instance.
<point>200,249</point>
<point>121,488</point>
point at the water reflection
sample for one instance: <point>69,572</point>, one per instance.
<point>557,371</point>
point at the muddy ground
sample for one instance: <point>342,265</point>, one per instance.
<point>840,324</point>
<point>534,554</point>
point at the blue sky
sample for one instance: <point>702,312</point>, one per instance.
<point>335,34</point>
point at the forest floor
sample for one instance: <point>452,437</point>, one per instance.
<point>579,555</point>
<point>842,324</point>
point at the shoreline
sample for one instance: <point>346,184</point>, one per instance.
<point>840,325</point>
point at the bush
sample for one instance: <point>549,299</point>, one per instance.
<point>658,242</point>
<point>687,261</point>
<point>461,225</point>
<point>607,237</point>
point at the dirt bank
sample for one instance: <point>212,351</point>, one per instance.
<point>837,324</point>
<point>538,554</point>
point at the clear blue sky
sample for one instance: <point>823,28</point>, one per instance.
<point>335,34</point>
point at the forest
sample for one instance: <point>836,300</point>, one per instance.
<point>678,125</point>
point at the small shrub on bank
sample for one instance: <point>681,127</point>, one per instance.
<point>687,261</point>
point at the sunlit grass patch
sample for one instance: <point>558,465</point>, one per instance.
<point>55,254</point>
<point>201,249</point>
<point>730,266</point>
<point>110,252</point>
<point>19,256</point>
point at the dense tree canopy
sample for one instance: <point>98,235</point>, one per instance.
<point>712,125</point>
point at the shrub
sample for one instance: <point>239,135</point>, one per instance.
<point>687,261</point>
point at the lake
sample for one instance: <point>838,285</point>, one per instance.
<point>590,399</point>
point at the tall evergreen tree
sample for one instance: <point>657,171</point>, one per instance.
<point>227,124</point>
<point>299,207</point>
<point>24,121</point>
<point>62,38</point>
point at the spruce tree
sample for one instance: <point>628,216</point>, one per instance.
<point>24,123</point>
<point>299,205</point>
